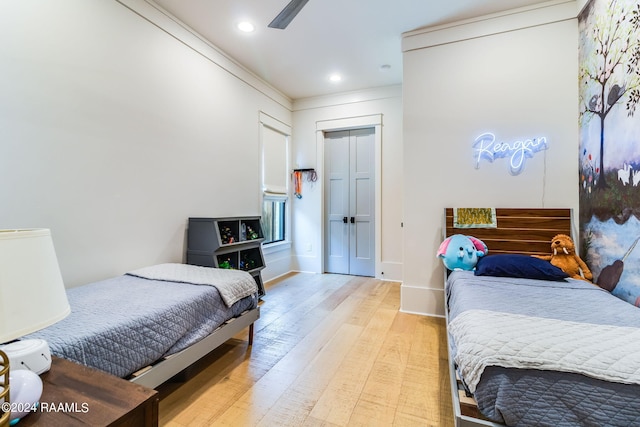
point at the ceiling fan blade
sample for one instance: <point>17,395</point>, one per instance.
<point>288,13</point>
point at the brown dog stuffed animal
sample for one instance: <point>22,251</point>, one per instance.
<point>565,258</point>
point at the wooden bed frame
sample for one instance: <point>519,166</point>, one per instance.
<point>524,231</point>
<point>161,371</point>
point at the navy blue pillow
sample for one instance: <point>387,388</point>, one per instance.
<point>514,265</point>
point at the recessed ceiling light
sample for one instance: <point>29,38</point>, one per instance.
<point>246,26</point>
<point>335,78</point>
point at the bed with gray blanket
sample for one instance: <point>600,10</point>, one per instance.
<point>538,352</point>
<point>530,352</point>
<point>127,323</point>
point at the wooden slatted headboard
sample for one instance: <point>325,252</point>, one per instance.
<point>526,231</point>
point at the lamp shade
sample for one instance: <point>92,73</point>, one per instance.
<point>32,294</point>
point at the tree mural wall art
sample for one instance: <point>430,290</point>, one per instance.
<point>610,144</point>
<point>611,74</point>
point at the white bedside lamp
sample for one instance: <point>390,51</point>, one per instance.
<point>32,297</point>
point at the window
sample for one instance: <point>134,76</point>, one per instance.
<point>274,137</point>
<point>273,218</point>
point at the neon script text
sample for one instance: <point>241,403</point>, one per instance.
<point>487,148</point>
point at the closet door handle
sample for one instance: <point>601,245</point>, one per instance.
<point>353,220</point>
<point>345,219</point>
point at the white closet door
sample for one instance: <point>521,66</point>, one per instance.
<point>350,202</point>
<point>337,202</point>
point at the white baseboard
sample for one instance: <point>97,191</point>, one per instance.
<point>421,300</point>
<point>390,271</point>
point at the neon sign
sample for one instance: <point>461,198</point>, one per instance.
<point>487,148</point>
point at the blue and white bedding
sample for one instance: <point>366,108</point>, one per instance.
<point>545,353</point>
<point>123,324</point>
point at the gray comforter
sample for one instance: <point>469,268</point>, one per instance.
<point>233,285</point>
<point>125,323</point>
<point>532,397</point>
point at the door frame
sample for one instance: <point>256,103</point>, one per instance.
<point>350,123</point>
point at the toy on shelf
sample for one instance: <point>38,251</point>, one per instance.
<point>227,264</point>
<point>247,263</point>
<point>227,235</point>
<point>252,234</point>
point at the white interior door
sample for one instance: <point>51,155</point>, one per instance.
<point>350,202</point>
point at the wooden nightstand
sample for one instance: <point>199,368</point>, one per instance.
<point>75,395</point>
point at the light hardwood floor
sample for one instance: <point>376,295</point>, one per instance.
<point>329,350</point>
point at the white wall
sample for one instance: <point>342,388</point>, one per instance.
<point>115,128</point>
<point>581,4</point>
<point>514,74</point>
<point>312,114</point>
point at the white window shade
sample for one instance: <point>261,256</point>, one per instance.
<point>274,166</point>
